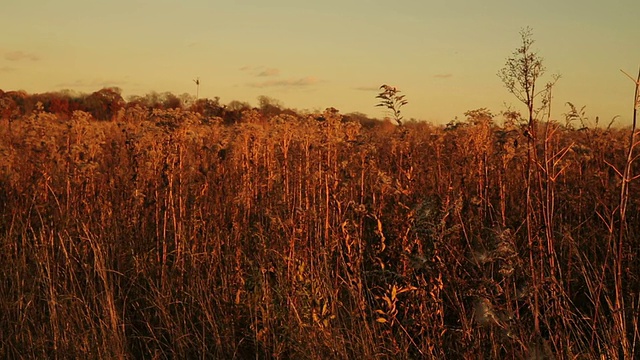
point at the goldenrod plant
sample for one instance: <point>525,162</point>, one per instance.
<point>231,232</point>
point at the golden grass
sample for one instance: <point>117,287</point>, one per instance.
<point>165,235</point>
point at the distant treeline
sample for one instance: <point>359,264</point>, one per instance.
<point>107,103</point>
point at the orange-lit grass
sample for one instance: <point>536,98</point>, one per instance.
<point>164,235</point>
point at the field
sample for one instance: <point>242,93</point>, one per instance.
<point>169,234</point>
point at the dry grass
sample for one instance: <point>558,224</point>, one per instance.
<point>165,235</point>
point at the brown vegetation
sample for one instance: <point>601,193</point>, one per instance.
<point>210,232</point>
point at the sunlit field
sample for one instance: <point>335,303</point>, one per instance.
<point>171,227</point>
<point>170,233</point>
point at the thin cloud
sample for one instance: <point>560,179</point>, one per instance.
<point>92,84</point>
<point>442,76</point>
<point>302,82</point>
<point>367,88</point>
<point>7,69</point>
<point>260,71</point>
<point>269,72</point>
<point>21,56</point>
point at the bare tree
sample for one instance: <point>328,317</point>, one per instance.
<point>521,72</point>
<point>520,75</point>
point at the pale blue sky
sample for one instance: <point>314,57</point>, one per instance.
<point>444,55</point>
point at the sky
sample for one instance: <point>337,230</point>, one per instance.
<point>444,55</point>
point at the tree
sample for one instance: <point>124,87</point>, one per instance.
<point>270,106</point>
<point>235,105</point>
<point>59,104</point>
<point>390,99</point>
<point>208,107</point>
<point>520,75</point>
<point>170,101</point>
<point>104,104</point>
<point>521,72</point>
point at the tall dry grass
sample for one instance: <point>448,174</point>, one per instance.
<point>167,235</point>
